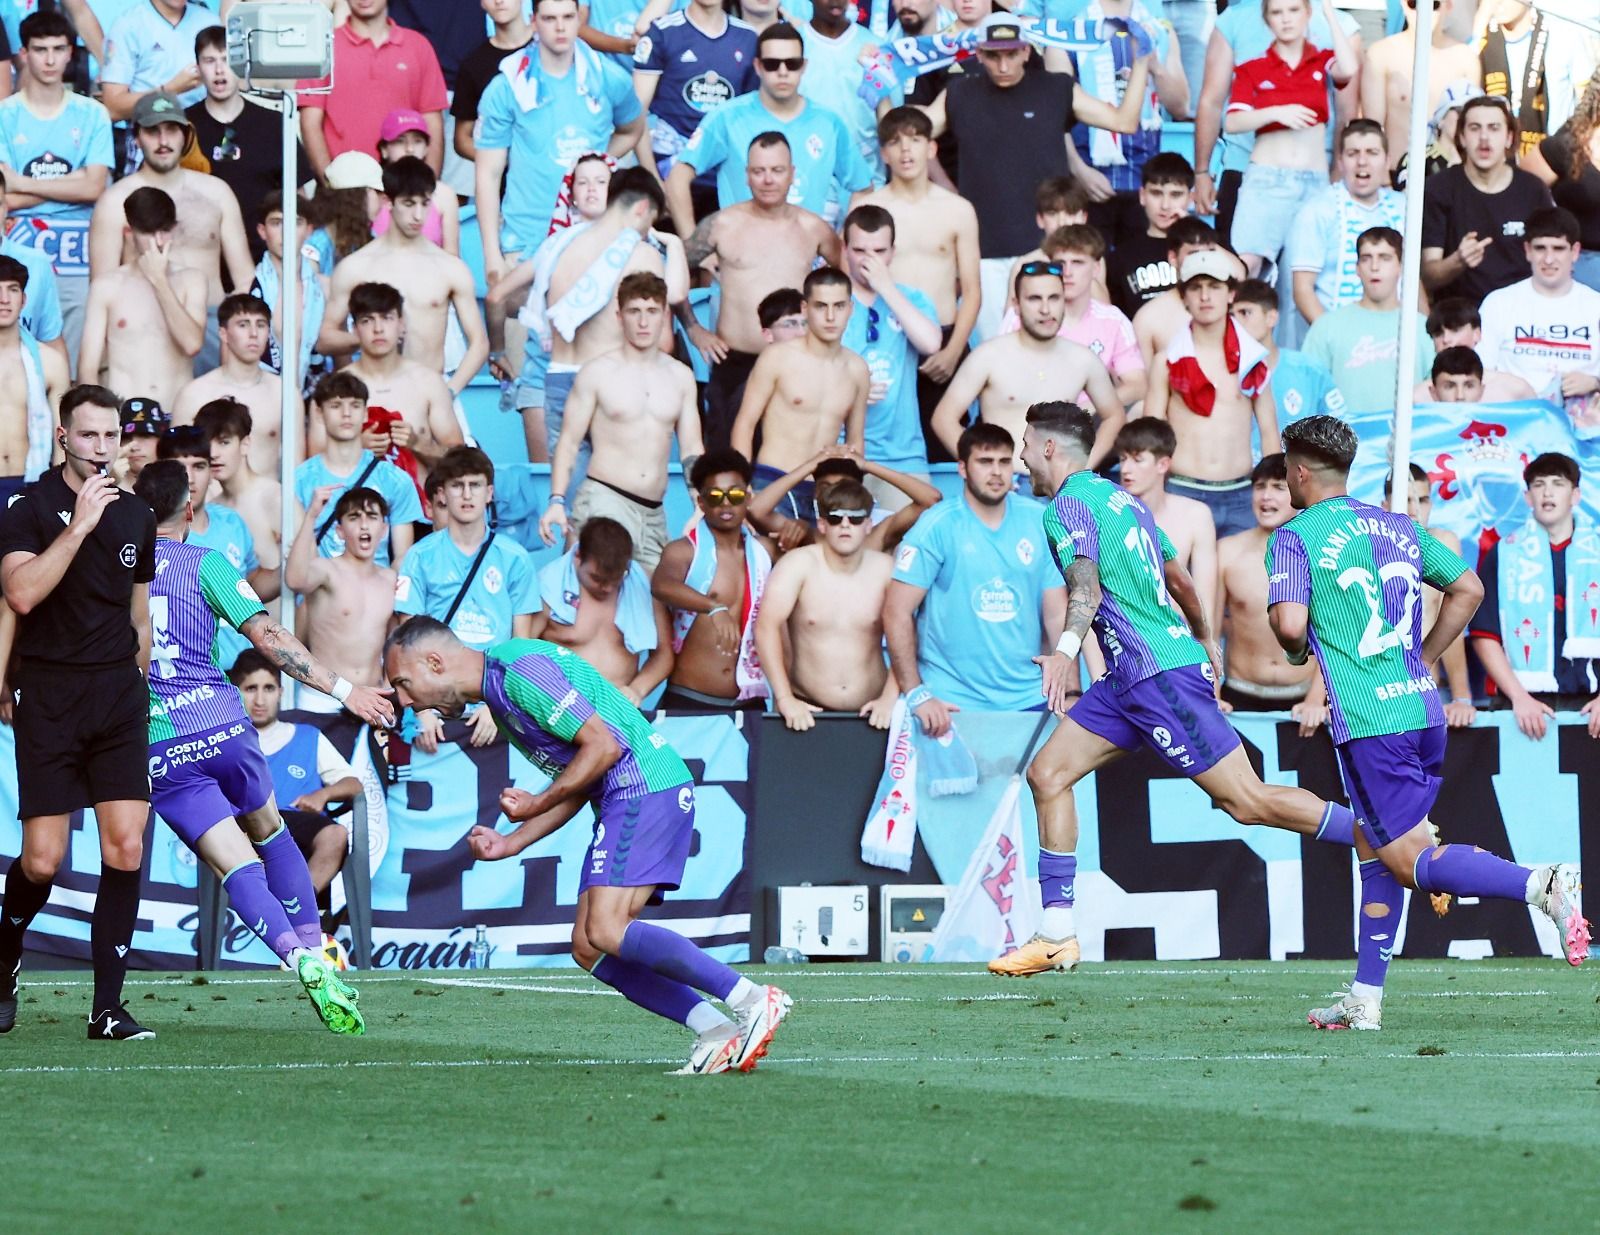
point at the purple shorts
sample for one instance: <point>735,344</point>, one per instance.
<point>198,781</point>
<point>640,842</point>
<point>1392,780</point>
<point>1174,713</point>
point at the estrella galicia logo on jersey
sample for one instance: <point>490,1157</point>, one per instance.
<point>129,556</point>
<point>686,799</point>
<point>1025,551</point>
<point>1162,736</point>
<point>48,166</point>
<point>995,601</point>
<point>707,92</point>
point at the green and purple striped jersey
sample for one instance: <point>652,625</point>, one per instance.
<point>195,590</point>
<point>1359,569</point>
<point>542,693</point>
<point>1141,630</point>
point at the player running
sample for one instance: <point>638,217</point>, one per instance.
<point>1344,584</point>
<point>573,724</point>
<point>1159,689</point>
<point>208,777</point>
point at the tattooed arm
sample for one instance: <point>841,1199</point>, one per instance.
<point>290,655</point>
<point>1060,675</point>
<point>1083,595</point>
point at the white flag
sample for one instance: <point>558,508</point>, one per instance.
<point>996,906</point>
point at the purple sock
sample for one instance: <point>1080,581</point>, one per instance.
<point>648,989</point>
<point>1057,872</point>
<point>290,881</point>
<point>673,956</point>
<point>259,909</point>
<point>1338,825</point>
<point>1467,870</point>
<point>1378,888</point>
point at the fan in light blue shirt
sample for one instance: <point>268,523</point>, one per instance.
<point>227,533</point>
<point>822,148</point>
<point>398,490</point>
<point>505,587</point>
<point>981,621</point>
<point>570,115</point>
<point>894,426</point>
<point>145,50</point>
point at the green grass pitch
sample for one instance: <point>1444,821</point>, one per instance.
<point>1141,1098</point>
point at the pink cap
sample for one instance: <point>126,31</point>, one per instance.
<point>400,122</point>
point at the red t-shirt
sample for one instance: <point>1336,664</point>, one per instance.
<point>370,81</point>
<point>1268,81</point>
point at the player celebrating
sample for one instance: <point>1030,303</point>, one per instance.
<point>569,721</point>
<point>208,777</point>
<point>1345,581</point>
<point>1160,688</point>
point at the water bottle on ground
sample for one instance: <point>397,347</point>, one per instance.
<point>784,956</point>
<point>478,958</point>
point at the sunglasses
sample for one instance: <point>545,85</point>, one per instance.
<point>773,63</point>
<point>835,518</point>
<point>724,497</point>
<point>1032,268</point>
<point>873,320</point>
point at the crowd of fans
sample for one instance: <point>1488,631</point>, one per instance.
<point>804,250</point>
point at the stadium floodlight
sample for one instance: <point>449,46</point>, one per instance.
<point>275,40</point>
<point>285,42</point>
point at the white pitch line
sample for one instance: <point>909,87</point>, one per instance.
<point>987,997</point>
<point>796,1061</point>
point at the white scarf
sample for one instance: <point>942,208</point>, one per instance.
<point>702,573</point>
<point>40,419</point>
<point>890,833</point>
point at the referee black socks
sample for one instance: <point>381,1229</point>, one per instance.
<point>116,911</point>
<point>23,900</point>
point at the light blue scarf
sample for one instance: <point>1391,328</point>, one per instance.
<point>1526,578</point>
<point>314,304</point>
<point>636,619</point>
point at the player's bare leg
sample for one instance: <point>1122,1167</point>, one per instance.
<point>1232,784</point>
<point>1070,754</point>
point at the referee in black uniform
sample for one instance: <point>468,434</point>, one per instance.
<point>77,555</point>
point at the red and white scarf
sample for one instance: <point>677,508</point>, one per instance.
<point>1240,351</point>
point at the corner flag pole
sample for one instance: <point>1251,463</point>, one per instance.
<point>1411,262</point>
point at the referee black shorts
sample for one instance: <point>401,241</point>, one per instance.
<point>83,736</point>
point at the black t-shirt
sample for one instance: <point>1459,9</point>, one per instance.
<point>1581,196</point>
<point>84,623</point>
<point>473,78</point>
<point>1019,134</point>
<point>1139,269</point>
<point>1452,207</point>
<point>246,154</point>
